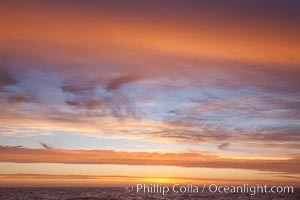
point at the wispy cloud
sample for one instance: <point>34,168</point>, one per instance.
<point>119,81</point>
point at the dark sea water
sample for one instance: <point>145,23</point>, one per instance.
<point>120,193</point>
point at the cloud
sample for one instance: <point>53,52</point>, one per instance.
<point>216,74</point>
<point>20,98</point>
<point>194,159</point>
<point>212,85</point>
<point>223,146</point>
<point>91,104</point>
<point>6,79</point>
<point>242,119</point>
<point>116,83</point>
<point>204,34</point>
<point>46,146</point>
<point>262,119</point>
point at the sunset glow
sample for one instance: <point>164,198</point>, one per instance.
<point>108,93</point>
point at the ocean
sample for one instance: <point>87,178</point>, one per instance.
<point>114,193</point>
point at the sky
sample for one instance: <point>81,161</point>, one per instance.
<point>106,93</point>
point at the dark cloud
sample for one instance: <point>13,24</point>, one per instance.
<point>78,89</point>
<point>91,104</point>
<point>21,98</point>
<point>6,79</point>
<point>118,82</point>
<point>223,146</point>
<point>45,146</point>
<point>81,87</point>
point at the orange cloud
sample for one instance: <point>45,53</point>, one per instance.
<point>117,36</point>
<point>194,159</point>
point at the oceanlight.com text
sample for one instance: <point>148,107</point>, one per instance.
<point>211,188</point>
